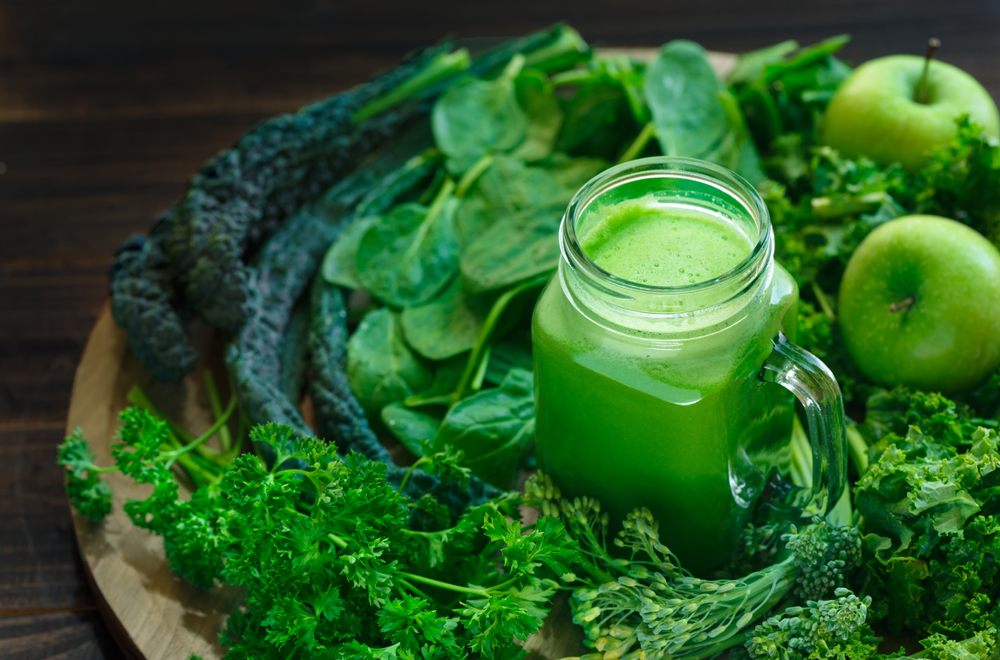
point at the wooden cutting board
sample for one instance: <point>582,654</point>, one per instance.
<point>152,613</point>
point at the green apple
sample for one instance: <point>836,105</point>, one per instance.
<point>919,305</point>
<point>875,112</point>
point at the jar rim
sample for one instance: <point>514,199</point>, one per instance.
<point>663,167</point>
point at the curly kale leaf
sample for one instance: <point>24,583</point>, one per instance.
<point>931,532</point>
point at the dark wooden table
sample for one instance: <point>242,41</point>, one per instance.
<point>108,106</point>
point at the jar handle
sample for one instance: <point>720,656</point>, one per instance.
<point>805,376</point>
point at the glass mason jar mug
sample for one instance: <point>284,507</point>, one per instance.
<point>673,397</point>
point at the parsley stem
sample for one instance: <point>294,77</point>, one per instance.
<point>444,585</point>
<point>219,423</point>
<point>337,541</point>
<point>213,399</point>
<point>406,477</point>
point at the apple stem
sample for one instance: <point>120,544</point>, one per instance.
<point>904,304</point>
<point>932,45</point>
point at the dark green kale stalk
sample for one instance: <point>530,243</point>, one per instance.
<point>330,563</point>
<point>930,517</point>
<point>648,600</point>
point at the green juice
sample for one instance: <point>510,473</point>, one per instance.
<point>670,415</point>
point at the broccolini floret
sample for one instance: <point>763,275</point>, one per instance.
<point>648,600</point>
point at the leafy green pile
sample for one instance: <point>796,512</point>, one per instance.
<point>328,553</point>
<point>435,193</point>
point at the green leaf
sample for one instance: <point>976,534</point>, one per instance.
<point>340,264</point>
<point>750,66</point>
<point>535,96</point>
<point>380,366</point>
<point>412,253</point>
<point>506,355</point>
<point>492,428</point>
<point>447,325</point>
<point>475,117</point>
<point>523,246</point>
<point>413,428</point>
<point>447,377</point>
<point>683,91</point>
<point>90,495</point>
<point>598,121</point>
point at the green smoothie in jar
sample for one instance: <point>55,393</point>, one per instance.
<point>650,344</point>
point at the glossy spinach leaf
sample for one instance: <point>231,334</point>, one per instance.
<point>507,355</point>
<point>536,97</point>
<point>475,117</point>
<point>340,265</point>
<point>521,247</point>
<point>412,253</point>
<point>448,324</point>
<point>682,92</point>
<point>447,377</point>
<point>413,428</point>
<point>492,428</point>
<point>380,366</point>
<point>598,121</point>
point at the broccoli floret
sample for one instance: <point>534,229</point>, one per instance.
<point>828,629</point>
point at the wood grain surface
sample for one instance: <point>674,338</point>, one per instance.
<point>107,107</point>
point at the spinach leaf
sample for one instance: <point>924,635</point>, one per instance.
<point>509,186</point>
<point>412,253</point>
<point>380,366</point>
<point>475,117</point>
<point>340,265</point>
<point>447,325</point>
<point>505,356</point>
<point>508,252</point>
<point>492,428</point>
<point>683,91</point>
<point>751,66</point>
<point>536,97</point>
<point>447,377</point>
<point>413,428</point>
<point>598,121</point>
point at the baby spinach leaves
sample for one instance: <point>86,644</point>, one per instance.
<point>492,428</point>
<point>683,95</point>
<point>413,428</point>
<point>694,114</point>
<point>475,117</point>
<point>381,368</point>
<point>523,246</point>
<point>447,325</point>
<point>410,254</point>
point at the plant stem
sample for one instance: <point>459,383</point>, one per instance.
<point>444,585</point>
<point>472,175</point>
<point>903,305</point>
<point>639,143</point>
<point>486,332</point>
<point>406,477</point>
<point>824,302</point>
<point>921,96</point>
<point>213,399</point>
<point>194,444</point>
